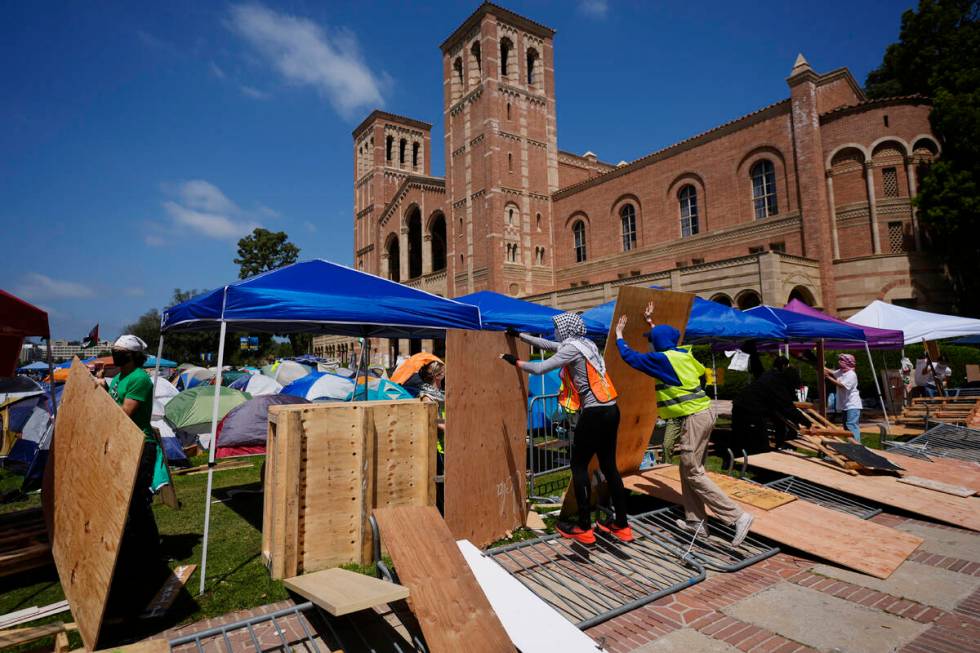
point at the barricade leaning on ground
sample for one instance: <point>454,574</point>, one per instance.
<point>329,465</point>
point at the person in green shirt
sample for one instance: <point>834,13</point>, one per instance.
<point>139,551</point>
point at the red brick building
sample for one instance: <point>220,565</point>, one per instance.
<point>808,197</point>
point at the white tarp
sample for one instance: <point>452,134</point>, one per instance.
<point>917,325</point>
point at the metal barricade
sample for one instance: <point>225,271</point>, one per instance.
<point>549,444</point>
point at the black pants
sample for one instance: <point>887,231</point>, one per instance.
<point>595,435</point>
<point>750,432</point>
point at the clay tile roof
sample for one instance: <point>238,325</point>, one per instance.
<point>680,146</point>
<point>915,98</point>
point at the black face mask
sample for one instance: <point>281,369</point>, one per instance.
<point>120,358</point>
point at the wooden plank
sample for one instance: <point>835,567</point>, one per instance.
<point>486,425</point>
<point>843,539</point>
<point>168,592</point>
<point>958,511</point>
<point>636,400</point>
<point>340,592</point>
<point>451,609</point>
<point>938,486</point>
<point>17,636</point>
<point>156,645</point>
<point>945,470</point>
<point>533,625</point>
<point>759,496</point>
<point>96,453</point>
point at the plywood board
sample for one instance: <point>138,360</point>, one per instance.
<point>96,453</point>
<point>938,486</point>
<point>340,592</point>
<point>958,511</point>
<point>168,592</point>
<point>329,465</point>
<point>486,427</point>
<point>532,625</point>
<point>753,494</point>
<point>451,609</point>
<point>945,470</point>
<point>843,539</point>
<point>636,399</point>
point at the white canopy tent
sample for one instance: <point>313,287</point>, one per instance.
<point>917,325</point>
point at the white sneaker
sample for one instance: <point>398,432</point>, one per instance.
<point>692,527</point>
<point>742,525</point>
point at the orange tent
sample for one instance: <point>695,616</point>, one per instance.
<point>412,365</point>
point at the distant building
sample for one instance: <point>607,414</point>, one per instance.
<point>65,349</point>
<point>808,198</point>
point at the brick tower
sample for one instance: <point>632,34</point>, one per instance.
<point>501,153</point>
<point>387,150</point>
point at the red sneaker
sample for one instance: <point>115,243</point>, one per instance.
<point>575,532</point>
<point>623,534</point>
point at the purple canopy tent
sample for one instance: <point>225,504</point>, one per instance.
<point>873,337</point>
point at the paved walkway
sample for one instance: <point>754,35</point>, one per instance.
<point>931,604</point>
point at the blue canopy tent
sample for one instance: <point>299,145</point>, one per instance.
<point>804,327</point>
<point>314,296</point>
<point>708,321</point>
<point>151,361</point>
<point>36,366</point>
<point>500,312</point>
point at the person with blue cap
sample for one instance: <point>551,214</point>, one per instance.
<point>680,397</point>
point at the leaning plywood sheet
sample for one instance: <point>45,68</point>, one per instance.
<point>451,609</point>
<point>532,625</point>
<point>958,511</point>
<point>329,465</point>
<point>841,538</point>
<point>96,453</point>
<point>340,592</point>
<point>753,494</point>
<point>938,486</point>
<point>486,427</point>
<point>945,470</point>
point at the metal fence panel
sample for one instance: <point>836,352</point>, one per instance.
<point>549,443</point>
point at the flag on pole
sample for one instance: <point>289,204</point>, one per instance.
<point>92,339</point>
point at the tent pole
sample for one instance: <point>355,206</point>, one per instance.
<point>821,379</point>
<point>881,399</point>
<point>714,374</point>
<point>211,449</point>
<point>156,368</point>
<point>54,409</point>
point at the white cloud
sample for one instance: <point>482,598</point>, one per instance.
<point>205,209</point>
<point>594,8</point>
<point>134,292</point>
<point>310,227</point>
<point>216,70</point>
<point>306,55</point>
<point>39,286</point>
<point>254,93</point>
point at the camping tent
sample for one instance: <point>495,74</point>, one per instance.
<point>285,372</point>
<point>36,366</point>
<point>190,411</point>
<point>708,321</point>
<point>500,312</point>
<point>151,361</point>
<point>916,325</point>
<point>875,338</point>
<point>18,319</point>
<point>243,431</point>
<point>256,385</point>
<point>313,297</point>
<point>320,385</point>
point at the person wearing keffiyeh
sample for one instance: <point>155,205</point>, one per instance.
<point>848,395</point>
<point>595,432</point>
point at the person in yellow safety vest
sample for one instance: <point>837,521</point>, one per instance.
<point>587,387</point>
<point>680,396</point>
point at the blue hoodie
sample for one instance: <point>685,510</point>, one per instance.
<point>655,363</point>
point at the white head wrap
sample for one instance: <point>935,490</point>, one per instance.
<point>130,342</point>
<point>571,329</point>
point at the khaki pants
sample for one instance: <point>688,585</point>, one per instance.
<point>698,490</point>
<point>672,433</point>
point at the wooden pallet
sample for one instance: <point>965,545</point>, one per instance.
<point>329,465</point>
<point>23,542</point>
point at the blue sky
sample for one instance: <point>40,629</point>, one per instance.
<point>139,141</point>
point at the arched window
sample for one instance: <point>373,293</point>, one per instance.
<point>402,144</point>
<point>458,67</point>
<point>508,111</point>
<point>415,154</point>
<point>748,299</point>
<point>532,60</point>
<point>537,221</point>
<point>510,162</point>
<point>438,231</point>
<point>688,198</point>
<point>394,258</point>
<point>389,143</point>
<point>627,217</point>
<point>763,175</point>
<point>476,69</point>
<point>510,215</point>
<point>723,299</point>
<point>506,45</point>
<point>414,220</point>
<point>578,230</point>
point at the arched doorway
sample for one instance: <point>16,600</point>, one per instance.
<point>803,294</point>
<point>437,230</point>
<point>723,299</point>
<point>748,299</point>
<point>394,258</point>
<point>414,221</point>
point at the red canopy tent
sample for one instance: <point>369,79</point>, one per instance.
<point>17,320</point>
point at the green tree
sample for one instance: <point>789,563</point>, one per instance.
<point>264,250</point>
<point>933,58</point>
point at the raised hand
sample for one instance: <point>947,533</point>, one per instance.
<point>648,314</point>
<point>620,326</point>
